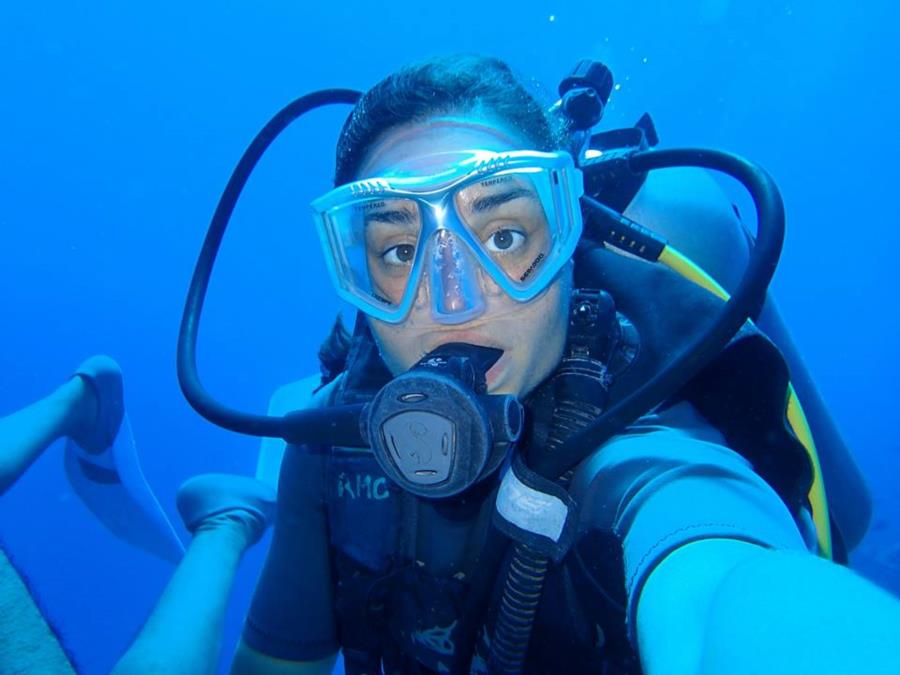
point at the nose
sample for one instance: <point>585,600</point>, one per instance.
<point>453,277</point>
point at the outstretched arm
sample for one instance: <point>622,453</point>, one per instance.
<point>725,606</point>
<point>717,574</point>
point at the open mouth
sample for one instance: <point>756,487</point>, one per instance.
<point>496,371</point>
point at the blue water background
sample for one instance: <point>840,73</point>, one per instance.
<point>121,122</point>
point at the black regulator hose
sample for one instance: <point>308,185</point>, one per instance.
<point>528,567</point>
<point>336,425</point>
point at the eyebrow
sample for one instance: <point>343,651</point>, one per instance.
<point>492,201</point>
<point>391,216</point>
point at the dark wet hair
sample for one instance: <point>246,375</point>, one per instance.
<point>443,86</point>
<point>334,350</point>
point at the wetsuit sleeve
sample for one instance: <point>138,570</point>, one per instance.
<point>671,481</point>
<point>292,615</point>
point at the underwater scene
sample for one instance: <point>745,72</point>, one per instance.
<point>442,505</point>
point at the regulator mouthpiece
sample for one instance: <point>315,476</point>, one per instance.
<point>434,430</point>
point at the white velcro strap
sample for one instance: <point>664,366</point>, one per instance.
<point>529,509</point>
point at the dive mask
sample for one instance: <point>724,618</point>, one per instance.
<point>513,217</point>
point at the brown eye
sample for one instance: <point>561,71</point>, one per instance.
<point>401,254</point>
<point>503,241</point>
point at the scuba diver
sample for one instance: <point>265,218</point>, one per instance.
<point>225,515</point>
<point>533,453</point>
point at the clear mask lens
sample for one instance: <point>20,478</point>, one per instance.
<point>507,220</point>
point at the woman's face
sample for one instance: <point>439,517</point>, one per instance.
<point>531,334</point>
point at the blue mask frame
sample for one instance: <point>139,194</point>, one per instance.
<point>558,183</point>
